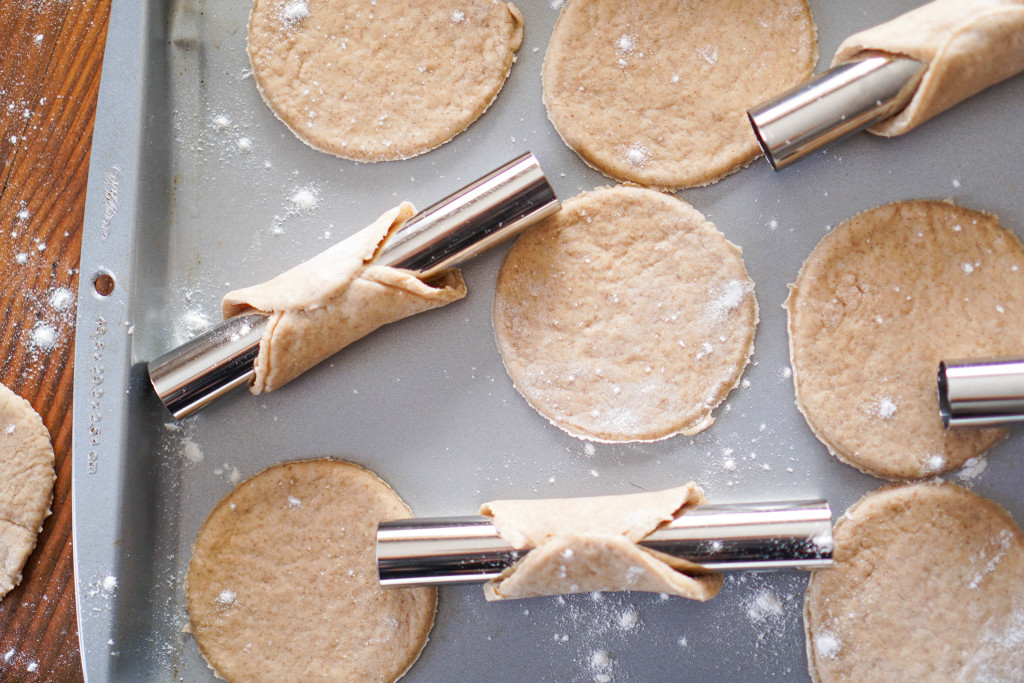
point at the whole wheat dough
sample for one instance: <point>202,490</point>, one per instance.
<point>928,585</point>
<point>581,545</point>
<point>383,80</point>
<point>282,584</point>
<point>321,306</point>
<point>26,484</point>
<point>656,92</point>
<point>967,45</point>
<point>878,303</point>
<point>627,316</point>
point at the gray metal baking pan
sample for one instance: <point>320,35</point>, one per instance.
<point>190,194</point>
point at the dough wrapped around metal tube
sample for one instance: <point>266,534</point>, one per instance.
<point>581,545</point>
<point>968,46</point>
<point>321,306</point>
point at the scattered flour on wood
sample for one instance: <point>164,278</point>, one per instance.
<point>60,298</point>
<point>44,336</point>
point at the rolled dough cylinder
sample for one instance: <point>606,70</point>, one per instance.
<point>967,45</point>
<point>282,584</point>
<point>928,585</point>
<point>581,545</point>
<point>381,80</point>
<point>321,306</point>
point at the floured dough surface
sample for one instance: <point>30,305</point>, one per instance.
<point>627,316</point>
<point>928,585</point>
<point>967,45</point>
<point>657,92</point>
<point>878,303</point>
<point>340,295</point>
<point>26,484</point>
<point>282,584</point>
<point>383,80</point>
<point>580,545</point>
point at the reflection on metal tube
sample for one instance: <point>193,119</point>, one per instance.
<point>759,537</point>
<point>981,392</point>
<point>839,102</point>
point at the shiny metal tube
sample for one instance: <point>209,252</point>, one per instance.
<point>479,216</point>
<point>981,393</point>
<point>757,536</point>
<point>839,102</point>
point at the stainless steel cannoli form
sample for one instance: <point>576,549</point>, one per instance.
<point>981,393</point>
<point>839,102</point>
<point>735,537</point>
<point>484,213</point>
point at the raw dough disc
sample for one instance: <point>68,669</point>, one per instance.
<point>878,303</point>
<point>384,80</point>
<point>657,92</point>
<point>928,585</point>
<point>282,584</point>
<point>26,484</point>
<point>627,316</point>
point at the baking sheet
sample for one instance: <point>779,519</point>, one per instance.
<point>190,194</point>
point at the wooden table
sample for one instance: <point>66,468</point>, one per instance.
<point>49,79</point>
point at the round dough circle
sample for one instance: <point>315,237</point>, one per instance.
<point>26,484</point>
<point>657,94</point>
<point>282,583</point>
<point>928,584</point>
<point>627,316</point>
<point>878,303</point>
<point>384,81</point>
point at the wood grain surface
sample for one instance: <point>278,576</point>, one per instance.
<point>50,57</point>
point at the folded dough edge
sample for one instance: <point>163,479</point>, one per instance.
<point>581,545</point>
<point>324,304</point>
<point>967,45</point>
